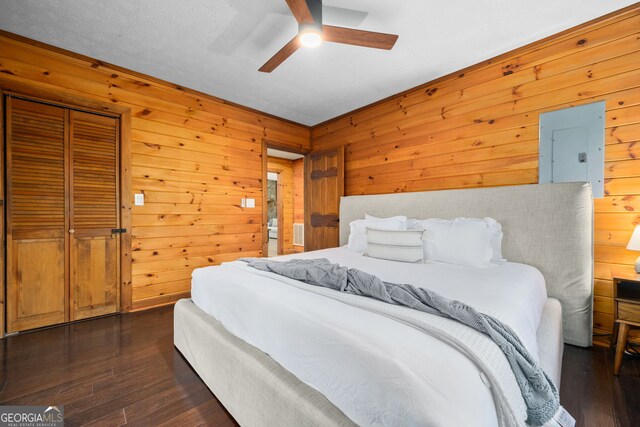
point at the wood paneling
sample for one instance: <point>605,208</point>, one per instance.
<point>192,155</point>
<point>479,127</point>
<point>284,168</point>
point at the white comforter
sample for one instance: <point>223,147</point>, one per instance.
<point>377,370</point>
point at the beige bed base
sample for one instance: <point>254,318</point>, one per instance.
<point>547,226</point>
<point>257,391</point>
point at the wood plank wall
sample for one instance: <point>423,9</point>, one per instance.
<point>284,168</point>
<point>193,156</point>
<point>479,127</point>
<point>298,196</point>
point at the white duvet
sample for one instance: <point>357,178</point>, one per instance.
<point>377,370</point>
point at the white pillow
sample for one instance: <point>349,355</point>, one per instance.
<point>496,239</point>
<point>414,224</point>
<point>462,241</point>
<point>396,245</point>
<point>357,229</point>
<point>381,223</point>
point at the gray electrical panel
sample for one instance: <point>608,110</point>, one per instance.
<point>572,146</point>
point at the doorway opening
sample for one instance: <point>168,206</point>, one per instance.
<point>272,212</point>
<point>284,202</point>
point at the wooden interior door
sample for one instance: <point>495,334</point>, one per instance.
<point>94,220</point>
<point>324,171</point>
<point>37,274</point>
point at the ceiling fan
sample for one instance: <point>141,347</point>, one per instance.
<point>311,32</point>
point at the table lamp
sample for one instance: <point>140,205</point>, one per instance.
<point>634,245</point>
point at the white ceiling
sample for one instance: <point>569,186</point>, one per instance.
<point>217,46</point>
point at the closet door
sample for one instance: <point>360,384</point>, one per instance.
<point>37,286</point>
<point>94,215</point>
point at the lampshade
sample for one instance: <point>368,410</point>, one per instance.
<point>634,241</point>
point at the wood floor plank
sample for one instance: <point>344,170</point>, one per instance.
<point>124,370</point>
<point>593,395</point>
<point>195,397</point>
<point>101,405</point>
<point>116,418</point>
<point>64,392</point>
<point>140,410</point>
<point>209,413</point>
<point>626,399</point>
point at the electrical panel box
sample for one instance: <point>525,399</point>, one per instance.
<point>572,146</point>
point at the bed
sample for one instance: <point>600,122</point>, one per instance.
<point>548,227</point>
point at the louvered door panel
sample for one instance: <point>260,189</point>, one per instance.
<point>36,221</point>
<point>94,214</point>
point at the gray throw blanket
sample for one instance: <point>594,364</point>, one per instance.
<point>538,391</point>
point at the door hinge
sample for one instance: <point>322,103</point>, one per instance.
<point>118,230</point>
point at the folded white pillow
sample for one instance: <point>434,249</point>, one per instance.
<point>386,222</point>
<point>414,224</point>
<point>395,245</point>
<point>358,229</point>
<point>470,242</point>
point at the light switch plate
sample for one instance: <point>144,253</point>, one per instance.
<point>243,203</point>
<point>139,199</point>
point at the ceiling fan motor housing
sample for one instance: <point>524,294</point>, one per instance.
<point>315,8</point>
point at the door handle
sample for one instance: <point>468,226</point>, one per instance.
<point>118,230</point>
<point>72,231</point>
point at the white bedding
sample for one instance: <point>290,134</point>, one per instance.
<point>377,370</point>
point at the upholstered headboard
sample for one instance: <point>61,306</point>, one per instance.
<point>548,226</point>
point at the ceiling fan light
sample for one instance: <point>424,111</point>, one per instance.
<point>310,37</point>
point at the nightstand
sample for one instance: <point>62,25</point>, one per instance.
<point>626,309</point>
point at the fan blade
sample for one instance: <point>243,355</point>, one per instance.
<point>301,11</point>
<point>358,37</point>
<point>281,56</point>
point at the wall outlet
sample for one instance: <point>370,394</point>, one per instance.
<point>251,203</point>
<point>139,199</point>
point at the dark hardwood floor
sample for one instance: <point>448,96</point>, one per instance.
<point>124,370</point>
<point>593,395</point>
<point>110,371</point>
